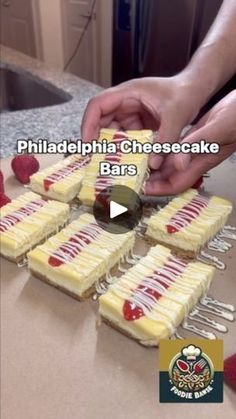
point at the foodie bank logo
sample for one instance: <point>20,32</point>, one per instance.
<point>191,371</point>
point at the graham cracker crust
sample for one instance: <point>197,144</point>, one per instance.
<point>184,254</point>
<point>147,343</point>
<point>82,297</point>
<point>86,294</point>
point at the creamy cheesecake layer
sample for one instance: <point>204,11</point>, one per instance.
<point>79,255</point>
<point>189,221</point>
<point>61,181</point>
<point>152,298</point>
<point>28,220</point>
<point>93,183</point>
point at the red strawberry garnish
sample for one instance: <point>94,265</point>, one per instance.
<point>47,183</point>
<point>24,166</point>
<point>4,199</point>
<point>2,190</point>
<point>171,229</point>
<point>230,371</point>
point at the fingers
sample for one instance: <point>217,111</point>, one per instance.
<point>131,122</point>
<point>208,132</point>
<point>217,125</point>
<point>91,120</point>
<point>114,125</point>
<point>169,131</point>
<point>178,181</point>
<point>100,106</point>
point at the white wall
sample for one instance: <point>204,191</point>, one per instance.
<point>51,32</point>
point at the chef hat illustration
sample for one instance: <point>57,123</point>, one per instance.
<point>191,352</point>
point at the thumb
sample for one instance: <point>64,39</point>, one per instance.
<point>208,132</point>
<point>100,106</point>
<point>168,132</point>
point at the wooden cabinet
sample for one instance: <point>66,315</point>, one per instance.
<point>76,19</point>
<point>17,28</point>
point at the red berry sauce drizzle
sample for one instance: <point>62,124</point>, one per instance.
<point>152,288</point>
<point>187,213</point>
<point>16,216</point>
<point>64,172</point>
<point>103,182</point>
<point>74,245</point>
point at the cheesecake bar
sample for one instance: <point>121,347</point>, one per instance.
<point>78,256</point>
<point>188,222</point>
<point>152,298</point>
<point>61,181</point>
<point>28,220</point>
<point>93,182</point>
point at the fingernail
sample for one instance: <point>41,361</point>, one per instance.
<point>155,161</point>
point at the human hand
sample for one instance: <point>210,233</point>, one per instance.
<point>180,171</point>
<point>163,104</point>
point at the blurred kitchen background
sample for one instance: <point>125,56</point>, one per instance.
<point>108,41</point>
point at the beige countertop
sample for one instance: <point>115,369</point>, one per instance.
<point>57,365</point>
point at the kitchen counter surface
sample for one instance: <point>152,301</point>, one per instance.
<point>53,122</point>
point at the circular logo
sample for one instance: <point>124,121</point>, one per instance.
<point>191,370</point>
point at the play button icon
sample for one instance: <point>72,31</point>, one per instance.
<point>117,209</point>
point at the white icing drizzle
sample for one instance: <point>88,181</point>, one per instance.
<point>201,230</point>
<point>176,335</point>
<point>216,311</point>
<point>20,214</point>
<point>65,171</point>
<point>130,260</point>
<point>22,263</point>
<point>100,255</point>
<point>230,228</point>
<point>122,269</point>
<point>134,287</point>
<point>227,233</point>
<point>74,207</point>
<point>140,297</point>
<point>67,251</point>
<point>110,279</point>
<point>101,287</point>
<point>219,245</point>
<point>201,332</point>
<point>119,136</point>
<point>184,216</point>
<point>103,182</point>
<point>198,317</point>
<point>134,256</point>
<point>39,218</point>
<point>205,257</point>
<point>206,300</point>
<point>98,183</point>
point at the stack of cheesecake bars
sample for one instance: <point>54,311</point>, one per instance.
<point>156,292</point>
